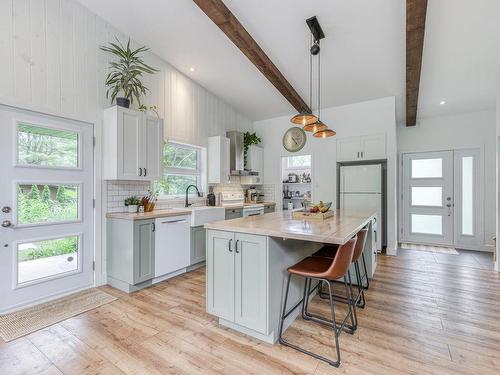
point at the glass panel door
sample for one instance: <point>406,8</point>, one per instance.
<point>428,198</point>
<point>46,197</point>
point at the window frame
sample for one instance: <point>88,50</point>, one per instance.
<point>288,158</point>
<point>20,121</point>
<point>198,172</point>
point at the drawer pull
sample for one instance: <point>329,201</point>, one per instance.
<point>174,221</point>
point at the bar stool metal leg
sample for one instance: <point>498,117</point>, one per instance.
<point>360,299</point>
<point>366,272</point>
<point>285,314</point>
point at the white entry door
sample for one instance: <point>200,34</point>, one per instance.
<point>46,201</point>
<point>428,197</point>
<point>442,198</point>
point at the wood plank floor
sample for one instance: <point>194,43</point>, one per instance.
<point>422,317</point>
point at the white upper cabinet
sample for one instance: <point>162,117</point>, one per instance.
<point>218,160</point>
<point>132,145</point>
<point>255,160</point>
<point>369,147</point>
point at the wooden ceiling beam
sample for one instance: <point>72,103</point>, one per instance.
<point>415,30</point>
<point>217,11</point>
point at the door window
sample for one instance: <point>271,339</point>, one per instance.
<point>427,168</point>
<point>47,203</point>
<point>37,260</point>
<point>39,146</point>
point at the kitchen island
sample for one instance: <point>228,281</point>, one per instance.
<point>247,259</point>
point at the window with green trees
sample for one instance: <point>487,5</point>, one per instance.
<point>37,203</point>
<point>182,167</point>
<point>46,147</point>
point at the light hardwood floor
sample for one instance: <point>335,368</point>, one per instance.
<point>422,317</point>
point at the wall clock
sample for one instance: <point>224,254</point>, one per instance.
<point>294,139</point>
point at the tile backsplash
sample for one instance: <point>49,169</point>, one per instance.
<point>116,192</point>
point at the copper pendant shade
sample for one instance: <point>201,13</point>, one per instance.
<point>324,133</point>
<point>315,127</point>
<point>304,119</point>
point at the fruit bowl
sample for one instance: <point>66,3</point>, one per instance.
<point>320,207</point>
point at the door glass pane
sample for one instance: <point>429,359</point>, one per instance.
<point>46,147</point>
<point>41,259</point>
<point>427,168</point>
<point>49,203</point>
<point>427,224</point>
<point>427,196</point>
<point>467,195</point>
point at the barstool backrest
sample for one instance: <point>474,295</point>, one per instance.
<point>360,244</point>
<point>342,261</point>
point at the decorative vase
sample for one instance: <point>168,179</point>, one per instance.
<point>132,208</point>
<point>123,102</point>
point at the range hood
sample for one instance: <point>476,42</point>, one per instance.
<point>236,160</point>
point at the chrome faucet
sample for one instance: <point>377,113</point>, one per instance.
<point>187,191</point>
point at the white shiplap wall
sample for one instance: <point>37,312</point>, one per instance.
<point>51,63</point>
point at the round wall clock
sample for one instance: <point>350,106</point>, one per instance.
<point>294,139</point>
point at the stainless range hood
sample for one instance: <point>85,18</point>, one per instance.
<point>236,160</point>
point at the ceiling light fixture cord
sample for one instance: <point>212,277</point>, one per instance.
<point>310,77</point>
<point>319,84</point>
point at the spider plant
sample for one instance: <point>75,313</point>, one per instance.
<point>126,72</point>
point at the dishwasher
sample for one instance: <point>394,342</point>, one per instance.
<point>172,246</point>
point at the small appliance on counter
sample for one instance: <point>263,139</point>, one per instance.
<point>254,196</point>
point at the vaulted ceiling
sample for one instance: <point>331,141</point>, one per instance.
<point>363,54</point>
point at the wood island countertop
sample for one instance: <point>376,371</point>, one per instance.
<point>150,215</point>
<point>337,229</point>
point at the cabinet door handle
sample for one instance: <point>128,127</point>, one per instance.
<point>358,154</point>
<point>236,247</point>
<point>229,243</point>
<point>140,171</point>
<point>153,227</point>
<point>145,172</point>
<point>361,156</point>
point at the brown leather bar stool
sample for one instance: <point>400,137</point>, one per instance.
<point>323,270</point>
<point>330,251</point>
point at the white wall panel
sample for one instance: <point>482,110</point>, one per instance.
<point>52,63</point>
<point>6,42</point>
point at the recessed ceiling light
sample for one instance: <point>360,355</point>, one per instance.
<point>191,69</point>
<point>442,102</point>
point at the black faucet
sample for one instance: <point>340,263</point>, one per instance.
<point>187,191</point>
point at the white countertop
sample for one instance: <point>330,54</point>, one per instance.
<point>337,229</point>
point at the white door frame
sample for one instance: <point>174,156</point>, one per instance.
<point>445,210</point>
<point>88,189</point>
<point>480,149</point>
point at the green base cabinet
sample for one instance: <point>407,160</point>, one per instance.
<point>237,274</point>
<point>198,244</point>
<point>130,252</point>
<point>234,213</point>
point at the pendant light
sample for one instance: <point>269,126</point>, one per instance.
<point>306,117</point>
<point>320,130</point>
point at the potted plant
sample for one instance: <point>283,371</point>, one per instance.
<point>132,204</point>
<point>125,74</point>
<point>249,139</point>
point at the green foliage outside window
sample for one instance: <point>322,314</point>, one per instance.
<point>34,207</point>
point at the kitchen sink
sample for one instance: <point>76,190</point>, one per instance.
<point>206,214</point>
